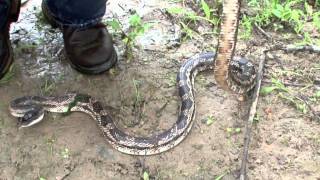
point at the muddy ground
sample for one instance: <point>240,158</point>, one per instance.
<point>141,93</point>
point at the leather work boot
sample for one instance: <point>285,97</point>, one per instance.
<point>89,50</point>
<point>6,55</point>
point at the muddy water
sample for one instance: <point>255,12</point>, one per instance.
<point>285,145</point>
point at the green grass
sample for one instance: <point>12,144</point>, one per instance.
<point>8,76</point>
<point>137,27</point>
<point>282,16</point>
<point>286,94</point>
<point>188,18</point>
<point>288,16</point>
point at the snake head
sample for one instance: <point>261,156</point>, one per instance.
<point>30,118</point>
<point>242,71</point>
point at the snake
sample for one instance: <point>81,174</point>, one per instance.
<point>235,74</point>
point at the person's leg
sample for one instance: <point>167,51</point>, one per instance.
<point>76,13</point>
<point>87,42</point>
<point>9,12</point>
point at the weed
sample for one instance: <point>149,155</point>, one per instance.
<point>233,131</point>
<point>42,178</point>
<point>136,28</point>
<point>172,80</point>
<point>138,98</point>
<point>292,14</point>
<point>209,120</point>
<point>190,17</point>
<point>220,177</point>
<point>47,87</point>
<point>8,76</point>
<point>286,94</point>
<point>146,175</point>
<point>256,118</point>
<point>50,142</point>
<point>65,153</point>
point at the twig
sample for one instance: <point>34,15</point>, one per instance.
<point>288,83</point>
<point>262,31</point>
<point>314,114</point>
<point>294,48</point>
<point>249,124</point>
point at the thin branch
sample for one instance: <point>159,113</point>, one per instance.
<point>288,83</point>
<point>294,48</point>
<point>252,112</point>
<point>262,31</point>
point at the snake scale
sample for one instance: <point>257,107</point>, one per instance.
<point>235,74</point>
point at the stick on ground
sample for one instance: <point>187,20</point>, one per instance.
<point>253,109</point>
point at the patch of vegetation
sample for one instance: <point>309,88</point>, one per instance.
<point>65,153</point>
<point>50,143</point>
<point>8,76</point>
<point>136,28</point>
<point>146,175</point>
<point>209,120</point>
<point>188,18</point>
<point>220,177</point>
<point>286,94</point>
<point>282,16</point>
<point>48,86</point>
<point>233,131</point>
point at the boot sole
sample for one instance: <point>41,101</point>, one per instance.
<point>98,69</point>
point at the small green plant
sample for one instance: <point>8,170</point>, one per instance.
<point>146,175</point>
<point>138,98</point>
<point>233,131</point>
<point>65,153</point>
<point>136,28</point>
<point>189,17</point>
<point>287,14</point>
<point>276,85</point>
<point>286,94</point>
<point>210,120</point>
<point>8,76</point>
<point>50,142</point>
<point>220,177</point>
<point>48,86</point>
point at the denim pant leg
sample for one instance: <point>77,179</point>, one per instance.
<point>4,12</point>
<point>76,13</point>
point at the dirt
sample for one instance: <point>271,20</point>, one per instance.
<point>285,142</point>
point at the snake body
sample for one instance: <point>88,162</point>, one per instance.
<point>236,74</point>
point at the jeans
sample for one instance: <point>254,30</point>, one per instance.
<point>74,13</point>
<point>4,11</point>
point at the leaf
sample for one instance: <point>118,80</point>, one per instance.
<point>308,8</point>
<point>318,94</point>
<point>268,90</point>
<point>278,11</point>
<point>176,10</point>
<point>206,9</point>
<point>135,20</point>
<point>145,176</point>
<point>238,130</point>
<point>210,120</point>
<point>114,24</point>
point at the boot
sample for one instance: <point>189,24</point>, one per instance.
<point>6,55</point>
<point>89,50</point>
